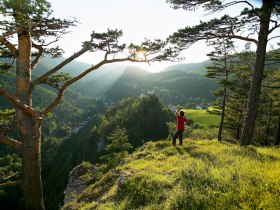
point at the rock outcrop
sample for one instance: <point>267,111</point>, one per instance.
<point>77,182</point>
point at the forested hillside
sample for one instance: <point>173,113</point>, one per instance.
<point>69,113</point>
<point>143,118</point>
<point>196,68</point>
<point>172,87</point>
<point>178,84</point>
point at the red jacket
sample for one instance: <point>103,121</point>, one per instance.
<point>181,122</point>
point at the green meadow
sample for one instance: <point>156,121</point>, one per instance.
<point>202,117</point>
<point>201,174</point>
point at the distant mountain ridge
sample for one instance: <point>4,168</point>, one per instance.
<point>179,83</point>
<point>196,68</point>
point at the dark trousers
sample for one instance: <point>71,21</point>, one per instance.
<point>178,133</point>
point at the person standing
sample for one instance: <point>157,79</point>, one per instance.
<point>181,120</point>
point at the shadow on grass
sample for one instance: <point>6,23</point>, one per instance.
<point>251,153</point>
<point>191,150</point>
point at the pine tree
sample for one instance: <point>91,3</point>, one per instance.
<point>241,79</point>
<point>27,32</point>
<point>251,21</point>
<point>117,148</point>
<point>221,70</point>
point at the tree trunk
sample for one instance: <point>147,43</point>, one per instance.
<point>31,165</point>
<point>239,122</point>
<point>222,115</point>
<point>255,90</point>
<point>29,128</point>
<point>266,142</point>
<point>277,134</point>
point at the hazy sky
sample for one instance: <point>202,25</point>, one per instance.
<point>138,19</point>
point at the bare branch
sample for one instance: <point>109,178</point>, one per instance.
<point>273,38</point>
<point>39,56</point>
<point>57,38</point>
<point>207,4</point>
<point>10,142</point>
<point>237,2</point>
<point>233,36</point>
<point>273,28</point>
<point>243,38</point>
<point>11,184</point>
<point>221,7</point>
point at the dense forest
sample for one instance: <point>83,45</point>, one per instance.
<point>59,116</point>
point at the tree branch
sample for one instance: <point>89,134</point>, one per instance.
<point>237,2</point>
<point>272,87</point>
<point>8,44</point>
<point>8,177</point>
<point>55,40</point>
<point>11,184</point>
<point>242,38</point>
<point>68,83</point>
<point>39,56</point>
<point>273,62</point>
<point>213,29</point>
<point>10,142</point>
<point>44,77</point>
<point>273,38</point>
<point>17,103</point>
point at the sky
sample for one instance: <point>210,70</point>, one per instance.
<point>138,19</point>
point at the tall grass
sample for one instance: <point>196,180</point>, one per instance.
<point>201,174</point>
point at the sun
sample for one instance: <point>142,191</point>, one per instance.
<point>140,55</point>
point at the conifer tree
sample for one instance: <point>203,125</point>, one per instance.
<point>251,21</point>
<point>27,32</point>
<point>270,107</point>
<point>221,69</point>
<point>241,79</point>
<point>117,148</point>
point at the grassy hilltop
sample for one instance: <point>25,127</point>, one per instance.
<point>203,118</point>
<point>201,174</point>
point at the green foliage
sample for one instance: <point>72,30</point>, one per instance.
<point>136,120</point>
<point>6,116</point>
<point>23,6</point>
<point>143,117</point>
<point>237,102</point>
<point>118,141</point>
<point>10,166</point>
<point>171,87</point>
<point>202,174</point>
<point>58,80</point>
<point>70,110</point>
<point>117,148</point>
